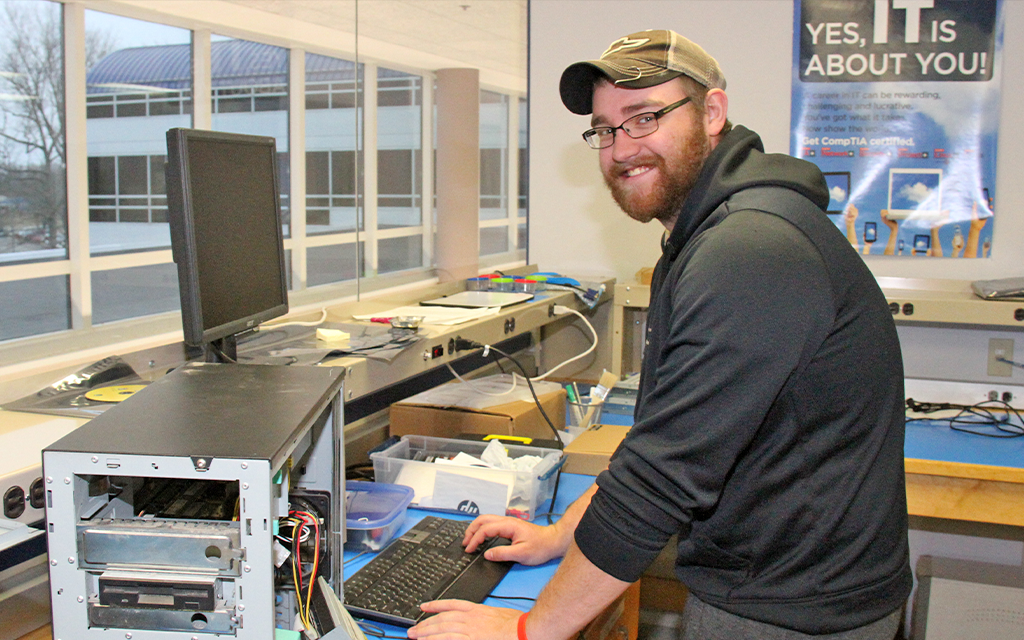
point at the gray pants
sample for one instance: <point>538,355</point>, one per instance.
<point>701,621</point>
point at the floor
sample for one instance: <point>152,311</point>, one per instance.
<point>43,633</point>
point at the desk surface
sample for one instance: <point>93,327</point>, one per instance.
<point>934,440</point>
<point>928,440</point>
<point>521,581</point>
<point>949,474</point>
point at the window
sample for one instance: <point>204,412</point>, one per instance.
<point>502,176</point>
<point>366,160</point>
<point>399,231</point>
<point>33,165</point>
<point>333,179</point>
<point>138,85</point>
<point>250,95</point>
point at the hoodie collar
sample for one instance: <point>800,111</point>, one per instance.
<point>738,162</point>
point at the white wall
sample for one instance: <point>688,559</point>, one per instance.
<point>575,226</point>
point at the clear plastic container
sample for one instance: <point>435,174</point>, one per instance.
<point>541,282</point>
<point>411,458</point>
<point>525,285</point>
<point>478,284</point>
<point>502,284</point>
<point>374,512</point>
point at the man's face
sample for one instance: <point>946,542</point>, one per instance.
<point>650,177</point>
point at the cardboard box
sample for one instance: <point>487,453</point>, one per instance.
<point>588,454</point>
<point>644,275</point>
<point>518,418</point>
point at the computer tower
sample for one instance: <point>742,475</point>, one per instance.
<point>164,514</point>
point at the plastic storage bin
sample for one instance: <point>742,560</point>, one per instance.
<point>374,512</point>
<point>450,488</point>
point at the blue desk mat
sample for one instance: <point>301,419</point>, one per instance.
<point>521,581</point>
<point>928,440</point>
<point>934,440</point>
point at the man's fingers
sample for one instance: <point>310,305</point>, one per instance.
<point>436,606</point>
<point>474,528</point>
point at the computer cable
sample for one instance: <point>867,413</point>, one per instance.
<point>498,597</point>
<point>561,310</point>
<point>220,352</point>
<point>477,388</point>
<point>497,362</point>
<point>295,323</point>
<point>462,344</point>
<point>359,471</point>
<point>308,519</point>
<point>558,439</point>
<point>994,414</point>
<point>356,557</point>
<point>374,631</point>
<point>1012,363</point>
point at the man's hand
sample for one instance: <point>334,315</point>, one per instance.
<point>531,544</point>
<point>461,619</point>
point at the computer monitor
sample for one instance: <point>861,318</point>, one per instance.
<point>225,220</point>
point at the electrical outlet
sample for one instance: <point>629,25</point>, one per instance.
<point>1000,349</point>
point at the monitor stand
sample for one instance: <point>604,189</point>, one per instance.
<point>223,350</point>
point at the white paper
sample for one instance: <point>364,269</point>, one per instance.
<point>459,491</point>
<point>434,315</point>
<point>474,394</point>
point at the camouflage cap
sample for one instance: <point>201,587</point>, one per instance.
<point>637,61</point>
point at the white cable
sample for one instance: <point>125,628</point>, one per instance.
<point>297,323</point>
<point>477,388</point>
<point>560,309</point>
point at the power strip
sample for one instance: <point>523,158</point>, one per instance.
<point>966,393</point>
<point>22,440</point>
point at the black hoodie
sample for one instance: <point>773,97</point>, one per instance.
<point>769,426</point>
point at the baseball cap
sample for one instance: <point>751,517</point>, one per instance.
<point>637,61</point>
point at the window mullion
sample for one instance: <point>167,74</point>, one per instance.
<point>512,173</point>
<point>369,138</point>
<point>80,285</point>
<point>427,166</point>
<point>297,160</point>
<point>202,80</point>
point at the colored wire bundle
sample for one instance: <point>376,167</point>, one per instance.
<point>304,525</point>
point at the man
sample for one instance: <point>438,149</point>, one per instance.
<point>769,425</point>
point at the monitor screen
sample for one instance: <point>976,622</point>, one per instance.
<point>225,219</point>
<point>838,183</point>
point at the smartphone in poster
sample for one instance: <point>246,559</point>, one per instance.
<point>898,103</point>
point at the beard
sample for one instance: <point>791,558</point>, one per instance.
<point>676,174</point>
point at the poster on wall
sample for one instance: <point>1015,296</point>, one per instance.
<point>897,102</point>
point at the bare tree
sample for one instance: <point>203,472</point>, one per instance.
<point>33,156</point>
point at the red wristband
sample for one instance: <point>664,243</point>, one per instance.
<point>521,627</point>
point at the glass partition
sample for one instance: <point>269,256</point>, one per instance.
<point>363,174</point>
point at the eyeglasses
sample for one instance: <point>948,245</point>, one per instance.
<point>640,125</point>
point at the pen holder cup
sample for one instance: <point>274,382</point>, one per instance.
<point>580,416</point>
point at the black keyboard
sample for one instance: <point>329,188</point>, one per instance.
<point>427,563</point>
